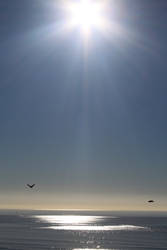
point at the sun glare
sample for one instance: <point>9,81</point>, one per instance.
<point>86,14</point>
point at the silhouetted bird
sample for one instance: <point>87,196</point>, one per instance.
<point>30,186</point>
<point>150,201</point>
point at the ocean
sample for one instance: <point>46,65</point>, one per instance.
<point>61,230</point>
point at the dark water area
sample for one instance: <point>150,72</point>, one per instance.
<point>37,230</point>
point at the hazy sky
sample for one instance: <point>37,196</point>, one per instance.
<point>87,125</point>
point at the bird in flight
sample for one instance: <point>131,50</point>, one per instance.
<point>150,201</point>
<point>30,186</point>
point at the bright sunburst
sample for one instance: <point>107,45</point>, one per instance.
<point>86,14</point>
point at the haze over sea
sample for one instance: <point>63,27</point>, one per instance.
<point>37,230</point>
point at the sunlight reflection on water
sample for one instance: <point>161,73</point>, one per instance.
<point>83,223</point>
<point>97,228</point>
<point>69,219</point>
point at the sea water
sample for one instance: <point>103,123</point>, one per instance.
<point>61,230</point>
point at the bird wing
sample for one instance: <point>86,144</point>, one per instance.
<point>30,186</point>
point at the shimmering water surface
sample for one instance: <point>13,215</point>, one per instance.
<point>83,223</point>
<point>81,230</point>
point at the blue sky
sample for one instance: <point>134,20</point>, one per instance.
<point>89,131</point>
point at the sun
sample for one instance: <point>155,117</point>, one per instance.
<point>86,14</point>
